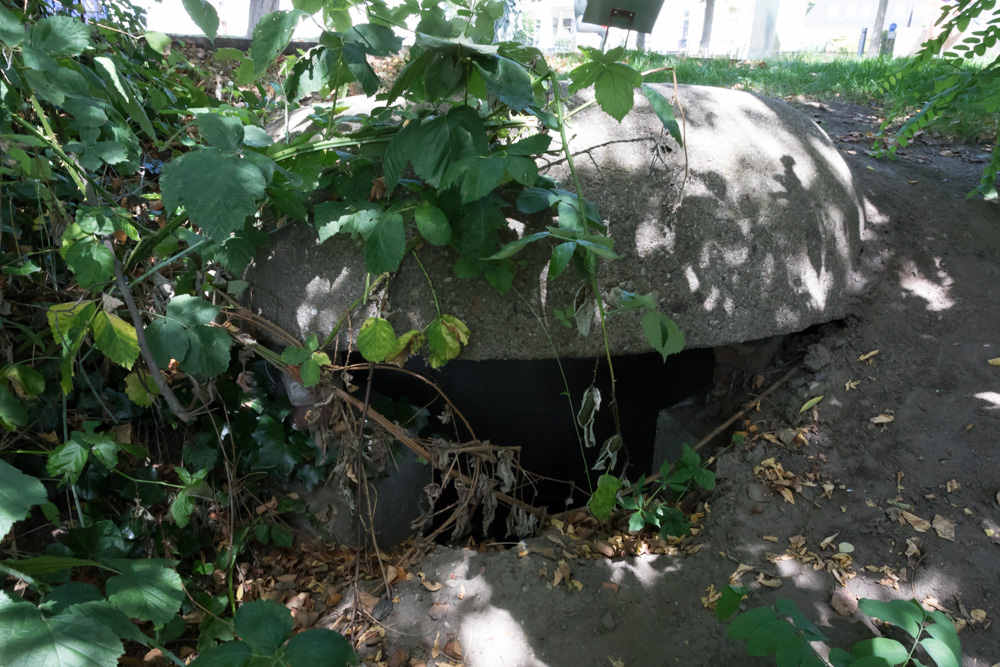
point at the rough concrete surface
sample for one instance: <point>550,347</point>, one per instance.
<point>765,240</point>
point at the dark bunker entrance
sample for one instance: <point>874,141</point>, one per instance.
<point>522,403</point>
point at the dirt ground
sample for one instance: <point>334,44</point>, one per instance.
<point>894,474</point>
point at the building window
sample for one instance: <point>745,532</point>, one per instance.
<point>568,26</point>
<point>555,27</point>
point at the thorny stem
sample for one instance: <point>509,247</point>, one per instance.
<point>561,113</point>
<point>357,302</point>
<point>429,283</point>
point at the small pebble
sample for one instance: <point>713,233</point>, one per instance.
<point>608,620</point>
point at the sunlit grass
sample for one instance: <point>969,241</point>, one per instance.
<point>860,81</point>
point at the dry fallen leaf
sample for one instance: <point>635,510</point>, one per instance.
<point>919,525</point>
<point>770,538</point>
<point>828,541</point>
<point>944,527</point>
<point>867,356</point>
<point>712,596</point>
<point>994,362</point>
<point>611,586</point>
<point>913,545</point>
<point>952,485</point>
<point>882,419</point>
<point>851,384</point>
<point>978,615</point>
<point>770,582</point>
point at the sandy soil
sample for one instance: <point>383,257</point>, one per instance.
<point>894,473</point>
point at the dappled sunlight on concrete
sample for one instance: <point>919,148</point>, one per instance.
<point>991,397</point>
<point>936,294</point>
<point>497,640</point>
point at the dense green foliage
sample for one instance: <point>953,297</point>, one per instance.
<point>785,633</point>
<point>137,417</point>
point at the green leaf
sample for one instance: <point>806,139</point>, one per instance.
<point>230,654</point>
<point>105,614</point>
<point>308,6</point>
<point>218,190</point>
<point>141,388</point>
<point>507,80</point>
<point>167,339</point>
<point>812,402</point>
<point>157,41</point>
<point>29,638</point>
<point>443,140</point>
<point>58,36</point>
<point>191,310</point>
<point>905,614</point>
<point>295,355</point>
<point>800,620</point>
<point>889,650</point>
<point>358,66</point>
<point>62,597</point>
<point>208,351</point>
<point>636,522</point>
<point>375,40</point>
<point>748,622</point>
<point>432,224</point>
<point>65,317</point>
<point>48,564</point>
<point>479,174</point>
<point>204,16</point>
<point>795,651</point>
<point>664,111</point>
<point>90,261</point>
<point>662,333</point>
<point>943,655</point>
<point>67,460</point>
<point>146,589</point>
<point>729,603</point>
<point>181,508</point>
<point>116,338</point>
<point>25,380</point>
<point>126,96</point>
<point>263,625</point>
<point>765,639</point>
<point>944,631</point>
<point>705,479</point>
<point>561,255</point>
<point>223,132</point>
<point>270,37</point>
<point>517,246</point>
<point>256,137</point>
<point>614,89</point>
<point>386,244</point>
<point>13,414</point>
<point>320,646</point>
<point>603,500</point>
<point>11,30</point>
<point>18,494</point>
<point>445,337</point>
<point>376,339</point>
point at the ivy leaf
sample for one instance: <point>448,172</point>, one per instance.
<point>270,37</point>
<point>140,388</point>
<point>67,460</point>
<point>11,29</point>
<point>116,338</point>
<point>146,589</point>
<point>664,111</point>
<point>218,190</point>
<point>386,244</point>
<point>58,36</point>
<point>90,261</point>
<point>27,637</point>
<point>167,339</point>
<point>223,132</point>
<point>320,646</point>
<point>204,16</point>
<point>432,224</point>
<point>376,339</point>
<point>445,337</point>
<point>208,351</point>
<point>662,333</point>
<point>614,89</point>
<point>264,626</point>
<point>18,494</point>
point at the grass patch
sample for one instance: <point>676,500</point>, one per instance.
<point>847,79</point>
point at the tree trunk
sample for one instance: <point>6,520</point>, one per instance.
<point>640,41</point>
<point>706,28</point>
<point>875,38</point>
<point>258,10</point>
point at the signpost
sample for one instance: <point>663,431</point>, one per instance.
<point>628,15</point>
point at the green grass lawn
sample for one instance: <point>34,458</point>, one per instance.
<point>860,81</point>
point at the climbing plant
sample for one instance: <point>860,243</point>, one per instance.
<point>137,188</point>
<point>934,97</point>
